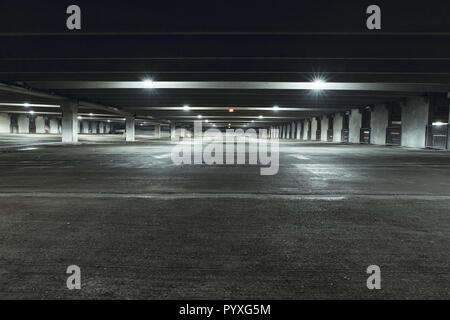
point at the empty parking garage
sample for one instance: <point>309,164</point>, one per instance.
<point>198,159</point>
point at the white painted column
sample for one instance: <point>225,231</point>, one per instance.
<point>173,131</point>
<point>355,123</point>
<point>299,130</point>
<point>157,130</point>
<point>130,128</point>
<point>40,124</point>
<point>379,121</point>
<point>415,118</point>
<point>69,125</point>
<point>314,129</point>
<point>324,129</point>
<point>305,130</point>
<point>338,124</point>
<point>5,123</point>
<point>23,123</point>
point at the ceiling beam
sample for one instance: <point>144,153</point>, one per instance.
<point>245,85</point>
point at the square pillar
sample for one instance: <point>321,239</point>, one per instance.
<point>379,121</point>
<point>314,129</point>
<point>5,123</point>
<point>324,129</point>
<point>157,130</point>
<point>173,131</point>
<point>130,128</point>
<point>355,123</point>
<point>69,123</point>
<point>415,118</point>
<point>338,125</point>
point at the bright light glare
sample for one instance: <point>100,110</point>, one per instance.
<point>91,114</point>
<point>319,84</point>
<point>31,112</point>
<point>186,107</point>
<point>26,104</point>
<point>80,117</point>
<point>260,117</point>
<point>148,84</point>
<point>206,120</point>
<point>199,116</point>
<point>276,108</point>
<point>439,124</point>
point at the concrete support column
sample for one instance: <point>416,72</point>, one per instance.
<point>69,125</point>
<point>324,129</point>
<point>306,130</point>
<point>415,118</point>
<point>355,122</point>
<point>338,124</point>
<point>23,123</point>
<point>299,130</point>
<point>40,124</point>
<point>314,129</point>
<point>54,126</point>
<point>157,130</point>
<point>85,127</point>
<point>293,126</point>
<point>173,131</point>
<point>5,123</point>
<point>130,128</point>
<point>379,121</point>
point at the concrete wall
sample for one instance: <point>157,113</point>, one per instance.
<point>415,117</point>
<point>40,124</point>
<point>338,123</point>
<point>24,124</point>
<point>313,129</point>
<point>54,126</point>
<point>324,129</point>
<point>5,123</point>
<point>378,123</point>
<point>355,122</point>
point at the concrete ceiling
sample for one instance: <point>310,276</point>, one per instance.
<point>213,57</point>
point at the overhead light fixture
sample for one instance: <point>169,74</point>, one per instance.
<point>26,104</point>
<point>148,84</point>
<point>109,120</point>
<point>80,117</point>
<point>253,121</point>
<point>186,107</point>
<point>319,84</point>
<point>214,125</point>
<point>231,110</point>
<point>439,123</point>
<point>91,114</point>
<point>206,120</point>
<point>31,112</point>
<point>276,108</point>
<point>260,117</point>
<point>199,116</point>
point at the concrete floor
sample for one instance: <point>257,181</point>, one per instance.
<point>141,227</point>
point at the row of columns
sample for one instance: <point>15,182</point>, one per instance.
<point>70,124</point>
<point>415,117</point>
